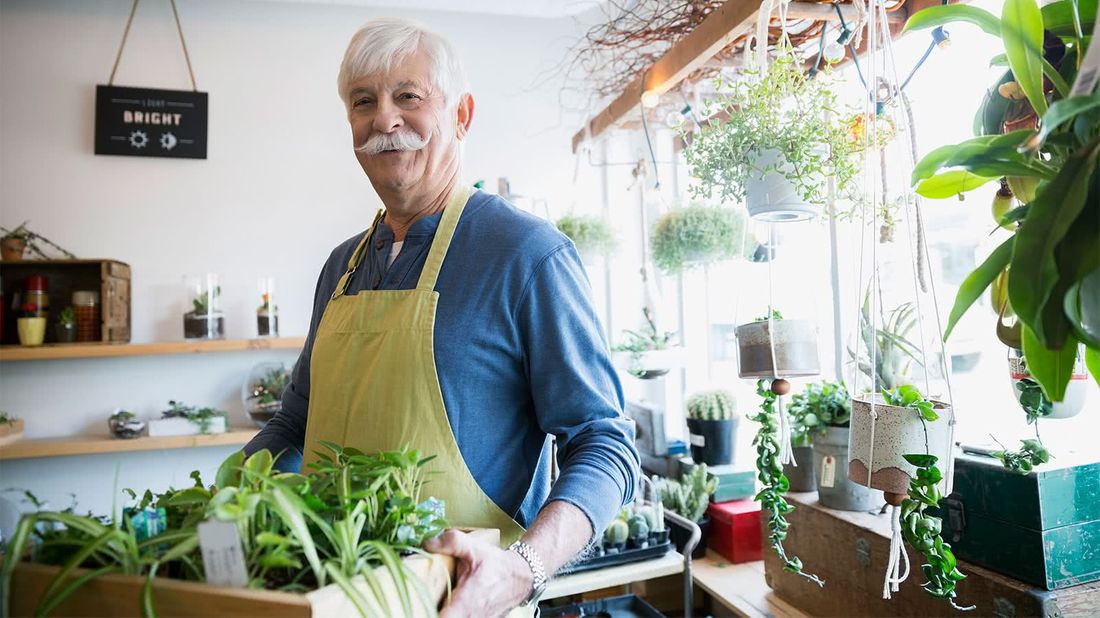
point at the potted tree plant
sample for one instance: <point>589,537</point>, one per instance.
<point>689,498</point>
<point>712,419</point>
<point>699,235</point>
<point>647,353</point>
<point>592,235</point>
<point>778,141</point>
<point>793,343</point>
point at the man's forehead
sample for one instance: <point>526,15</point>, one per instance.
<point>413,71</point>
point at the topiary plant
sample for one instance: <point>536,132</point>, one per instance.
<point>698,234</point>
<point>588,233</point>
<point>716,405</point>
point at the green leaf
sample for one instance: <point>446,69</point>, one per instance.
<point>1065,110</point>
<point>229,472</point>
<point>1022,34</point>
<point>1035,271</point>
<point>1086,333</point>
<point>1092,361</point>
<point>1050,368</point>
<point>945,14</point>
<point>920,460</point>
<point>977,282</point>
<point>1000,60</point>
<point>950,183</point>
<point>1058,17</point>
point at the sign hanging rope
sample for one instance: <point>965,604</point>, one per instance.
<point>126,34</point>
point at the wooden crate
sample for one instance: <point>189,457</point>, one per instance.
<point>119,595</point>
<point>849,551</point>
<point>110,277</point>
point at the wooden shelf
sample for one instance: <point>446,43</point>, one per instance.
<point>64,351</point>
<point>94,445</point>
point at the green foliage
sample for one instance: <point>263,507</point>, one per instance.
<point>819,405</point>
<point>922,530</point>
<point>1031,454</point>
<point>775,483</point>
<point>66,316</point>
<point>698,234</point>
<point>783,110</point>
<point>32,238</point>
<point>690,496</point>
<point>270,388</point>
<point>775,315</point>
<point>644,340</point>
<point>351,514</point>
<point>588,233</point>
<point>203,417</point>
<point>715,405</point>
<point>1054,248</point>
<point>201,303</point>
<point>6,419</point>
<point>888,345</point>
<point>907,396</point>
<point>1033,400</point>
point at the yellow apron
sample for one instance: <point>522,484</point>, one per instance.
<point>373,382</point>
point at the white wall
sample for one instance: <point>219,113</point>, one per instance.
<point>280,187</point>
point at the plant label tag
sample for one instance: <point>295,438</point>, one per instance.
<point>698,440</point>
<point>1089,72</point>
<point>221,554</point>
<point>828,471</point>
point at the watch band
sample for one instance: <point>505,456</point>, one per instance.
<point>538,573</point>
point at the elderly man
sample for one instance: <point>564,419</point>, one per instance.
<point>462,327</point>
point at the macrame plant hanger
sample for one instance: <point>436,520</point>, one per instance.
<point>126,34</point>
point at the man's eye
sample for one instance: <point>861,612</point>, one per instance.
<point>364,101</point>
<point>408,96</point>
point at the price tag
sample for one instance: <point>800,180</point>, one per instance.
<point>828,471</point>
<point>221,554</point>
<point>697,440</point>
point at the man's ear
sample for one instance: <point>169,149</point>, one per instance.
<point>464,115</point>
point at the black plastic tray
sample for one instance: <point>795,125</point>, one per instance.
<point>624,556</point>
<point>626,606</point>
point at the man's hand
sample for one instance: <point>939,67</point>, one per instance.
<point>490,582</point>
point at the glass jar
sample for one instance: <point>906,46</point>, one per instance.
<point>202,317</point>
<point>36,299</point>
<point>267,313</point>
<point>87,314</point>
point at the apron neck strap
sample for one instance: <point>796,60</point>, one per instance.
<point>356,257</point>
<point>443,234</point>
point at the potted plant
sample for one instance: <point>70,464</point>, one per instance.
<point>11,428</point>
<point>712,427</point>
<point>15,242</point>
<point>125,425</point>
<point>1041,138</point>
<point>647,353</point>
<point>698,235</point>
<point>779,139</point>
<point>205,319</point>
<point>31,325</point>
<point>823,411</point>
<point>591,235</point>
<point>184,420</point>
<point>793,343</point>
<point>262,393</point>
<point>65,329</point>
<point>689,498</point>
<point>1035,402</point>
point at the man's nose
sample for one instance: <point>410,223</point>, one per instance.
<point>387,117</point>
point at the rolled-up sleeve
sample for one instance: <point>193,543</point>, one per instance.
<point>576,392</point>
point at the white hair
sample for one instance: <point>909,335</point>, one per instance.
<point>382,44</point>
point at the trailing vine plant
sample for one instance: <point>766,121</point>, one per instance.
<point>770,475</point>
<point>1023,461</point>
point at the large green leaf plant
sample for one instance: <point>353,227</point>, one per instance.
<point>1038,131</point>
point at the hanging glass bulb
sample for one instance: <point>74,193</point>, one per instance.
<point>674,119</point>
<point>834,52</point>
<point>650,99</point>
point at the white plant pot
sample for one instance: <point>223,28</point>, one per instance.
<point>652,363</point>
<point>795,343</point>
<point>1077,391</point>
<point>772,197</point>
<point>897,432</point>
<point>183,427</point>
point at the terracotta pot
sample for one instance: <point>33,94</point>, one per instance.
<point>795,343</point>
<point>32,331</point>
<point>897,432</point>
<point>11,249</point>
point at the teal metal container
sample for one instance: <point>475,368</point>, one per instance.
<point>1042,528</point>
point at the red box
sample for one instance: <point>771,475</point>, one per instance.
<point>735,530</point>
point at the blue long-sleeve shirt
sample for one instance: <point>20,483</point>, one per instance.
<point>520,354</point>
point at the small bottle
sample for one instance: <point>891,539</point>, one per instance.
<point>88,321</point>
<point>37,296</point>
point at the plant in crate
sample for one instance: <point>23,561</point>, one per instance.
<point>1038,129</point>
<point>712,419</point>
<point>591,235</point>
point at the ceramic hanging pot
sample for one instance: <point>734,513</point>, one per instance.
<point>772,197</point>
<point>650,364</point>
<point>876,450</point>
<point>1077,390</point>
<point>795,343</point>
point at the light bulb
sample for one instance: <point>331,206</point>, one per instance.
<point>650,99</point>
<point>834,52</point>
<point>674,119</point>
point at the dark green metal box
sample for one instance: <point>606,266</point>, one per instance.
<point>1042,528</point>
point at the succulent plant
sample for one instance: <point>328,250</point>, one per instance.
<point>690,496</point>
<point>639,527</point>
<point>616,533</point>
<point>716,405</point>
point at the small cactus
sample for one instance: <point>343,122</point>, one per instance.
<point>650,515</point>
<point>639,528</point>
<point>714,405</point>
<point>616,532</point>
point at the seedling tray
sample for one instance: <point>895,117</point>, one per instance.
<point>623,556</point>
<point>626,606</point>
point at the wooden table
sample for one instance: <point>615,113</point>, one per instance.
<point>739,588</point>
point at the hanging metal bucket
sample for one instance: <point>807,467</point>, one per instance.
<point>834,489</point>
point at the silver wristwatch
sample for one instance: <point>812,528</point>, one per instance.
<point>538,573</point>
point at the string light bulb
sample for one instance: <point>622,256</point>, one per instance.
<point>674,119</point>
<point>834,52</point>
<point>650,99</point>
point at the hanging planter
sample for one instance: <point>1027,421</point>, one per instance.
<point>794,342</point>
<point>1030,396</point>
<point>591,235</point>
<point>772,196</point>
<point>699,235</point>
<point>648,354</point>
<point>880,446</point>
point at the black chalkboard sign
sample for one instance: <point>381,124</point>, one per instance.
<point>144,122</point>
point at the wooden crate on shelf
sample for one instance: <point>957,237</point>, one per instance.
<point>110,278</point>
<point>849,551</point>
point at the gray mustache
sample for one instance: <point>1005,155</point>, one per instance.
<point>401,140</point>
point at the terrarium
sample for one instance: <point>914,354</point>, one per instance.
<point>203,317</point>
<point>262,393</point>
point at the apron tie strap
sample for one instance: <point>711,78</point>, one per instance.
<point>356,257</point>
